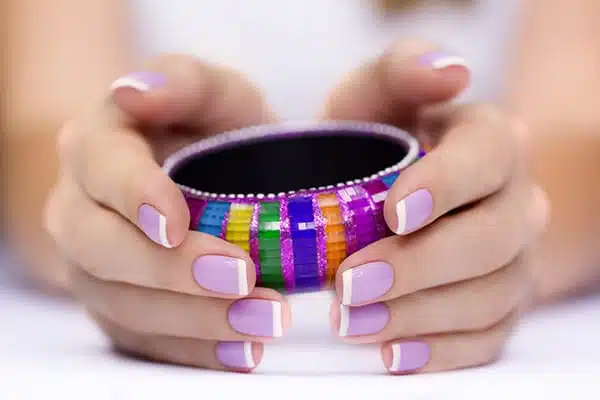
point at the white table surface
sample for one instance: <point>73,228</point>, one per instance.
<point>48,349</point>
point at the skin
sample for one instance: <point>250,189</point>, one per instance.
<point>515,195</point>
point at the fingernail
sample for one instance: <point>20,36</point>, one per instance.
<point>440,60</point>
<point>236,355</point>
<point>142,81</point>
<point>365,320</point>
<point>256,317</point>
<point>409,356</point>
<point>154,225</point>
<point>413,211</point>
<point>221,274</point>
<point>366,282</point>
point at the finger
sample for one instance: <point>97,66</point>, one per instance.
<point>391,88</point>
<point>462,246</point>
<point>180,89</point>
<point>110,248</point>
<point>466,306</point>
<point>116,168</point>
<point>475,159</point>
<point>262,316</point>
<point>208,354</point>
<point>448,352</point>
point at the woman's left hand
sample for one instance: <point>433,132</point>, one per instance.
<point>447,289</point>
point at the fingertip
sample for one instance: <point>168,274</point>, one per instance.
<point>163,214</point>
<point>430,77</point>
<point>387,356</point>
<point>239,356</point>
<point>131,92</point>
<point>257,351</point>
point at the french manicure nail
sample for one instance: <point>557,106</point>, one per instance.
<point>409,356</point>
<point>413,211</point>
<point>440,60</point>
<point>142,81</point>
<point>154,225</point>
<point>256,317</point>
<point>366,282</point>
<point>365,320</point>
<point>221,274</point>
<point>236,355</point>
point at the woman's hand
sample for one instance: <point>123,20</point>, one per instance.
<point>447,289</point>
<point>157,289</point>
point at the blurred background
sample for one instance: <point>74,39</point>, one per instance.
<point>58,59</point>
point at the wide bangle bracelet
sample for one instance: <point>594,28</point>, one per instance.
<point>300,198</point>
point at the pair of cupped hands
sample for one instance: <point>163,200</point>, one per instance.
<point>445,292</point>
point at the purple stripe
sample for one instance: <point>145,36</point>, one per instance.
<point>377,217</point>
<point>254,254</point>
<point>287,248</point>
<point>225,222</point>
<point>363,219</point>
<point>196,207</point>
<point>372,188</point>
<point>351,242</point>
<point>321,239</point>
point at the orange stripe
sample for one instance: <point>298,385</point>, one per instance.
<point>335,233</point>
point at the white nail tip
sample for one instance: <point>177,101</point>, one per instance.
<point>396,357</point>
<point>243,289</point>
<point>347,287</point>
<point>448,61</point>
<point>344,320</point>
<point>162,232</point>
<point>248,357</point>
<point>277,319</point>
<point>129,82</point>
<point>401,216</point>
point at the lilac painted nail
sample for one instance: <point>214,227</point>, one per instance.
<point>365,320</point>
<point>236,355</point>
<point>409,356</point>
<point>256,317</point>
<point>440,60</point>
<point>366,282</point>
<point>221,274</point>
<point>142,81</point>
<point>413,211</point>
<point>154,225</point>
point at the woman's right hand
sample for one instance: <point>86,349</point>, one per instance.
<point>158,290</point>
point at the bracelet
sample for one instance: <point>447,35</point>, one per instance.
<point>310,194</point>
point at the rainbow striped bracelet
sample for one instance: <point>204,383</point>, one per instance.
<point>296,237</point>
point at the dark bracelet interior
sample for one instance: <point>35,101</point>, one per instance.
<point>279,164</point>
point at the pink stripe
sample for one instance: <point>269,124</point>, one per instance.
<point>287,249</point>
<point>377,216</point>
<point>253,244</point>
<point>225,222</point>
<point>349,227</point>
<point>321,239</point>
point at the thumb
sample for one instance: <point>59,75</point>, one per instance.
<point>182,90</point>
<point>391,88</point>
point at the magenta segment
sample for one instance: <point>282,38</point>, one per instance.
<point>377,193</point>
<point>287,247</point>
<point>196,207</point>
<point>253,243</point>
<point>361,222</point>
<point>321,239</point>
<point>225,221</point>
<point>351,239</point>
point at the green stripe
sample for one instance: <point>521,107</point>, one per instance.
<point>269,246</point>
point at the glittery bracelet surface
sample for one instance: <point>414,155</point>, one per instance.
<point>300,198</point>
